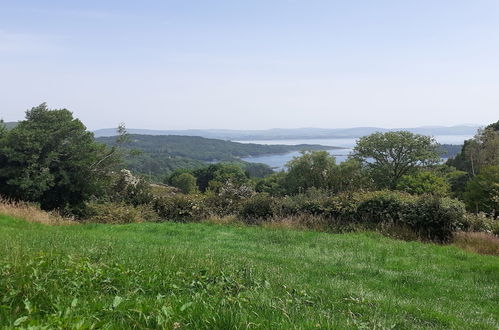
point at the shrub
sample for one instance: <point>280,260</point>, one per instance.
<point>228,199</point>
<point>186,182</point>
<point>130,189</point>
<point>118,213</point>
<point>424,182</point>
<point>436,218</point>
<point>259,206</point>
<point>383,207</point>
<point>180,207</point>
<point>480,223</point>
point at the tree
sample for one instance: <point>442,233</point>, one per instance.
<point>393,154</point>
<point>186,182</point>
<point>51,158</point>
<point>482,191</point>
<point>272,184</point>
<point>350,175</point>
<point>480,151</point>
<point>424,182</point>
<point>311,169</point>
<point>3,129</point>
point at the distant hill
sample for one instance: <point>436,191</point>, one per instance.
<point>295,133</point>
<point>161,154</point>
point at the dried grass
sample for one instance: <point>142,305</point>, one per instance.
<point>482,243</point>
<point>32,213</point>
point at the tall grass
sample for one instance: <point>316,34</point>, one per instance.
<point>32,213</point>
<point>483,243</point>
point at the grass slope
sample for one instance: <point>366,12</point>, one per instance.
<point>209,276</point>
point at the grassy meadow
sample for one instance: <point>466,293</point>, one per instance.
<point>208,276</point>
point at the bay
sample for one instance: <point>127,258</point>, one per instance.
<point>278,161</point>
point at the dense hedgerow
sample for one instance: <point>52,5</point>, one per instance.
<point>431,217</point>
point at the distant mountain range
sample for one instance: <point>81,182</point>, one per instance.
<point>293,133</point>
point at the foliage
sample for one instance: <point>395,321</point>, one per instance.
<point>228,199</point>
<point>215,176</point>
<point>180,207</point>
<point>482,191</point>
<point>272,184</point>
<point>480,223</point>
<point>350,175</point>
<point>50,158</point>
<point>258,207</point>
<point>163,154</point>
<point>257,170</point>
<point>392,155</point>
<point>129,189</point>
<point>424,182</point>
<point>457,181</point>
<point>311,169</point>
<point>479,152</point>
<point>186,182</point>
<point>119,213</point>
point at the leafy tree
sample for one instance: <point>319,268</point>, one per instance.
<point>273,184</point>
<point>392,155</point>
<point>480,151</point>
<point>228,174</point>
<point>216,175</point>
<point>350,175</point>
<point>457,181</point>
<point>50,158</point>
<point>257,170</point>
<point>482,191</point>
<point>186,182</point>
<point>424,182</point>
<point>312,169</point>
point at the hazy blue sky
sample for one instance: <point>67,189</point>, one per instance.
<point>253,64</point>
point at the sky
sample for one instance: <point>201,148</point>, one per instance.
<point>255,64</point>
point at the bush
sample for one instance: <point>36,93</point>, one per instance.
<point>260,206</point>
<point>118,213</point>
<point>480,223</point>
<point>436,218</point>
<point>424,182</point>
<point>383,207</point>
<point>429,216</point>
<point>228,199</point>
<point>180,207</point>
<point>186,182</point>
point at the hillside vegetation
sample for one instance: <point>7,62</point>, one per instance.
<point>162,154</point>
<point>205,276</point>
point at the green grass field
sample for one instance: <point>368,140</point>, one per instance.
<point>197,275</point>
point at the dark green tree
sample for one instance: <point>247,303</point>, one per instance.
<point>480,151</point>
<point>424,182</point>
<point>392,155</point>
<point>186,182</point>
<point>482,191</point>
<point>51,158</point>
<point>311,170</point>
